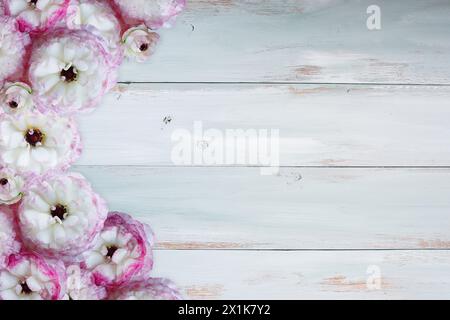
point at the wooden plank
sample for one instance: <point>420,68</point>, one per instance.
<point>319,125</point>
<point>302,41</point>
<point>301,208</point>
<point>308,275</point>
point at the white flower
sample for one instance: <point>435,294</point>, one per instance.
<point>12,48</point>
<point>36,14</point>
<point>140,42</point>
<point>11,187</point>
<point>16,97</point>
<point>122,252</point>
<point>61,216</point>
<point>9,243</point>
<point>70,71</point>
<point>29,277</point>
<point>36,143</point>
<point>154,13</point>
<point>96,14</point>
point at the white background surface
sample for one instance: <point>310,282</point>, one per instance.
<point>364,120</point>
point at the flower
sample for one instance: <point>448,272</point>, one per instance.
<point>16,97</point>
<point>12,48</point>
<point>99,18</point>
<point>33,142</point>
<point>28,276</point>
<point>9,243</point>
<point>81,286</point>
<point>152,289</point>
<point>36,15</point>
<point>140,42</point>
<point>155,13</point>
<point>70,71</point>
<point>60,216</point>
<point>11,187</point>
<point>122,253</point>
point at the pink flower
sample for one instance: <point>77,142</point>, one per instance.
<point>122,253</point>
<point>70,71</point>
<point>80,286</point>
<point>100,19</point>
<point>152,289</point>
<point>140,43</point>
<point>12,49</point>
<point>33,142</point>
<point>28,276</point>
<point>60,216</point>
<point>155,13</point>
<point>9,243</point>
<point>36,15</point>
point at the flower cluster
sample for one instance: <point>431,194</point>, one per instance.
<point>58,240</point>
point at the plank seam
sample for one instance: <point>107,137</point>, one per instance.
<point>257,167</point>
<point>307,250</point>
<point>289,83</point>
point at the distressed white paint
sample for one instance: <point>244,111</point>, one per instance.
<point>306,275</point>
<point>302,41</point>
<point>299,209</point>
<point>322,125</point>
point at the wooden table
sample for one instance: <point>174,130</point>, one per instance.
<point>363,192</point>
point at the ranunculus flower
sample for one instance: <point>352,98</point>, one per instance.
<point>70,71</point>
<point>9,243</point>
<point>11,187</point>
<point>16,97</point>
<point>154,13</point>
<point>60,216</point>
<point>33,142</point>
<point>122,253</point>
<point>28,276</point>
<point>152,289</point>
<point>80,286</point>
<point>36,15</point>
<point>12,48</point>
<point>140,43</point>
<point>99,18</point>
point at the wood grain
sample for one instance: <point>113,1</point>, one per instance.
<point>302,41</point>
<point>301,208</point>
<point>307,275</point>
<point>319,125</point>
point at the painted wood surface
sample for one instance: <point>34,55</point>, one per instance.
<point>302,41</point>
<point>308,275</point>
<point>301,208</point>
<point>319,125</point>
<point>364,125</point>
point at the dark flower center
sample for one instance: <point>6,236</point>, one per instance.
<point>34,137</point>
<point>70,74</point>
<point>58,211</point>
<point>143,47</point>
<point>3,181</point>
<point>25,288</point>
<point>13,104</point>
<point>33,3</point>
<point>111,251</point>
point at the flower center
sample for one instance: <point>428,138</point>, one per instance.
<point>33,3</point>
<point>58,211</point>
<point>34,137</point>
<point>111,251</point>
<point>13,104</point>
<point>143,47</point>
<point>70,74</point>
<point>3,181</point>
<point>25,288</point>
